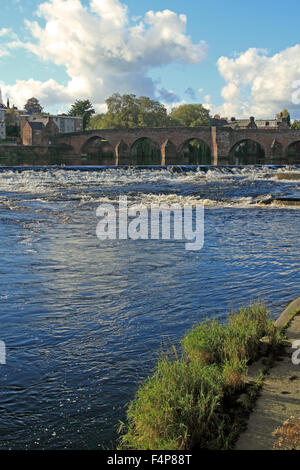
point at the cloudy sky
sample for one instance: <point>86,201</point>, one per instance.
<point>239,58</point>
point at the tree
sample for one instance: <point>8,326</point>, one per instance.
<point>284,114</point>
<point>191,115</point>
<point>151,113</point>
<point>123,110</point>
<point>33,106</point>
<point>296,125</point>
<point>98,122</point>
<point>84,109</point>
<point>130,111</point>
<point>12,121</point>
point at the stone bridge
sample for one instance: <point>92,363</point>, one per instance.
<point>118,145</point>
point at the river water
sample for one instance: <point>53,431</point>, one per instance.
<point>84,320</point>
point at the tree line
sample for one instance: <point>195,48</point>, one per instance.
<point>123,111</point>
<point>130,111</point>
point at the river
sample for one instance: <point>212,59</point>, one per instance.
<point>84,320</point>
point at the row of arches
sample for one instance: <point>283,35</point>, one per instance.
<point>145,151</point>
<point>247,152</point>
<point>193,151</point>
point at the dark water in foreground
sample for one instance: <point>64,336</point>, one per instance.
<point>84,320</point>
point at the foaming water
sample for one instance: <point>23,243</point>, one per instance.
<point>85,320</point>
<point>215,186</point>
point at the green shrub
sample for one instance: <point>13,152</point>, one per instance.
<point>234,371</point>
<point>247,327</point>
<point>176,408</point>
<point>238,340</point>
<point>205,342</point>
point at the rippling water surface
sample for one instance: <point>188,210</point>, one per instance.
<point>84,320</point>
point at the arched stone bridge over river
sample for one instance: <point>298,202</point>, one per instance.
<point>118,146</point>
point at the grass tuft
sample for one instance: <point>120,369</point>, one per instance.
<point>185,402</point>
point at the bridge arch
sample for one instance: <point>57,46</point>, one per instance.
<point>99,150</point>
<point>292,152</point>
<point>195,151</point>
<point>145,151</point>
<point>247,152</point>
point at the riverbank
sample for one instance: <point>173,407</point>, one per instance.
<point>279,399</point>
<point>201,397</point>
<point>13,155</point>
<point>38,155</point>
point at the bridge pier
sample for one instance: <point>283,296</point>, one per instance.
<point>169,154</point>
<point>122,152</point>
<point>214,145</point>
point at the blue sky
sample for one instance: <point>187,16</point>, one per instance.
<point>258,41</point>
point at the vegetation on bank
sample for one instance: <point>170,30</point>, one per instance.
<point>288,435</point>
<point>200,398</point>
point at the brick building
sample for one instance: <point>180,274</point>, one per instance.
<point>64,123</point>
<point>37,133</point>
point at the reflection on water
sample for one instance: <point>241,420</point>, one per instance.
<point>84,320</point>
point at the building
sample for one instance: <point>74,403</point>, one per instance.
<point>67,124</point>
<point>37,133</point>
<point>2,123</point>
<point>64,123</point>
<point>251,123</point>
<point>2,118</point>
<point>217,121</point>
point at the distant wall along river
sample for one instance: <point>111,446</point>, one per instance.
<point>84,321</point>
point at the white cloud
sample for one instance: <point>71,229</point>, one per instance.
<point>47,92</point>
<point>101,50</point>
<point>4,32</point>
<point>3,52</point>
<point>258,84</point>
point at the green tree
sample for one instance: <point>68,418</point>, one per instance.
<point>98,122</point>
<point>84,109</point>
<point>296,125</point>
<point>122,110</point>
<point>12,122</point>
<point>151,113</point>
<point>191,115</point>
<point>129,111</point>
<point>33,106</point>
